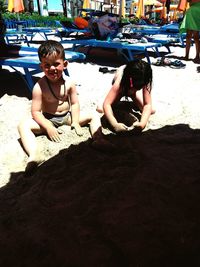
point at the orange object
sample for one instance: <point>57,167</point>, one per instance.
<point>81,23</point>
<point>182,5</point>
<point>15,6</point>
<point>140,9</point>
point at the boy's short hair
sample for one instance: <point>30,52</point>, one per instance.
<point>49,47</point>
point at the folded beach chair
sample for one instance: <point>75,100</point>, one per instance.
<point>27,59</point>
<point>67,28</point>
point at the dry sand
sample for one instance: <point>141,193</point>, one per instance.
<point>136,207</point>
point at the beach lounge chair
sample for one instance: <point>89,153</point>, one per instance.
<point>129,51</point>
<point>27,59</point>
<point>13,36</point>
<point>168,32</point>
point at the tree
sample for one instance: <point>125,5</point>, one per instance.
<point>26,5</point>
<point>39,9</point>
<point>64,4</point>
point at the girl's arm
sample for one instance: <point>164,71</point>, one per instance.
<point>147,108</point>
<point>112,97</point>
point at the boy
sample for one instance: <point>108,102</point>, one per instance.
<point>54,103</point>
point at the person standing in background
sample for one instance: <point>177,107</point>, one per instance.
<point>191,25</point>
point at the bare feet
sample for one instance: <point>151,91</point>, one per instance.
<point>196,60</point>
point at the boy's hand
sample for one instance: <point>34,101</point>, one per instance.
<point>77,128</point>
<point>54,134</point>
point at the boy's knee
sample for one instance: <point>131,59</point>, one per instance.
<point>20,126</point>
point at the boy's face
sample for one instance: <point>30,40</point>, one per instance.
<point>53,67</point>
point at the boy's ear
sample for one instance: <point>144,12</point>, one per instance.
<point>41,66</point>
<point>66,63</point>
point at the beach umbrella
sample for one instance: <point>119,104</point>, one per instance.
<point>122,9</point>
<point>140,9</point>
<point>163,14</point>
<point>86,4</point>
<point>16,6</point>
<point>160,9</point>
<point>148,3</point>
<point>183,5</point>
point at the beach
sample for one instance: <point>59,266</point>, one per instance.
<point>137,206</point>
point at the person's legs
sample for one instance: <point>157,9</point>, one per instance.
<point>94,122</point>
<point>98,139</point>
<point>188,43</point>
<point>27,130</point>
<point>197,44</point>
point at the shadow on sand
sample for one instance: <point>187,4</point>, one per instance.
<point>12,83</point>
<point>136,207</point>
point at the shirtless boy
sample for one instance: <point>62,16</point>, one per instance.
<point>54,103</point>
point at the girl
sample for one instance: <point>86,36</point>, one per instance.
<point>131,82</point>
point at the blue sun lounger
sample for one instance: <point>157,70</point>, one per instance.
<point>27,59</point>
<point>129,51</point>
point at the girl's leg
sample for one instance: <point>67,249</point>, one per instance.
<point>188,43</point>
<point>26,129</point>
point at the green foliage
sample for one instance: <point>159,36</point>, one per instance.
<point>41,20</point>
<point>3,6</point>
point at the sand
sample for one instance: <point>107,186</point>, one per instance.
<point>137,206</point>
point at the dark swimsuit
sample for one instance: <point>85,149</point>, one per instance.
<point>57,120</point>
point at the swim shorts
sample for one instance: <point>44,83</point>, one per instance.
<point>57,120</point>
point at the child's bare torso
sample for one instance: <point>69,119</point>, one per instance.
<point>55,97</point>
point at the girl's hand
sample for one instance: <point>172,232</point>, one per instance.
<point>137,125</point>
<point>120,127</point>
<point>77,128</point>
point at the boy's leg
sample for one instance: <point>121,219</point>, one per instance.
<point>98,139</point>
<point>94,124</point>
<point>85,118</point>
<point>26,129</point>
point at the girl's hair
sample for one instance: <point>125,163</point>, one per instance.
<point>50,47</point>
<point>136,75</point>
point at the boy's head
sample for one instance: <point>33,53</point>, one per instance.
<point>51,47</point>
<point>136,75</point>
<point>52,57</point>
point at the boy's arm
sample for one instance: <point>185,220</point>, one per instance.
<point>36,110</point>
<point>75,110</point>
